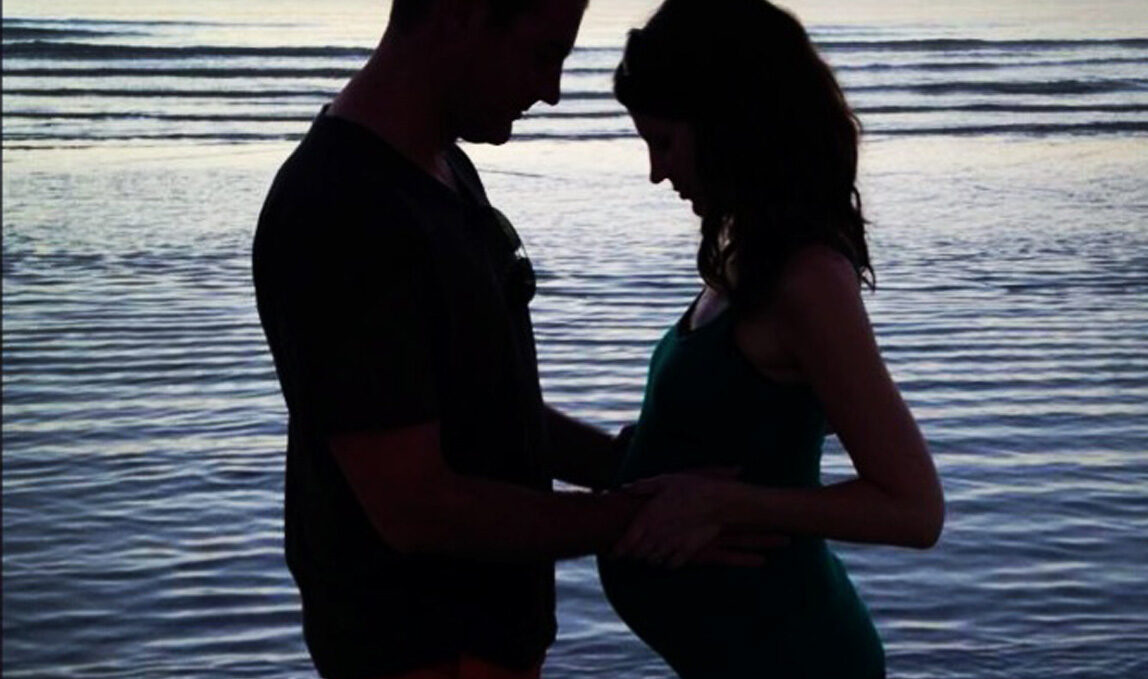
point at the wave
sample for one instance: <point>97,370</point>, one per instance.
<point>333,72</point>
<point>183,72</point>
<point>988,65</point>
<point>170,117</point>
<point>1008,108</point>
<point>224,94</point>
<point>1053,87</point>
<point>50,49</point>
<point>41,32</point>
<point>178,94</point>
<point>258,117</point>
<point>143,23</point>
<point>1035,88</point>
<point>969,45</point>
<point>42,49</point>
<point>176,136</point>
<point>298,76</point>
<point>549,114</point>
<point>33,141</point>
<point>1107,127</point>
<point>1029,129</point>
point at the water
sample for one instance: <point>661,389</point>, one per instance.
<point>1006,170</point>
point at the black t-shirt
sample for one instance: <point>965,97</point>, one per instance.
<point>390,300</point>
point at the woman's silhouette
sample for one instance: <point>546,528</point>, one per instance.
<point>749,125</point>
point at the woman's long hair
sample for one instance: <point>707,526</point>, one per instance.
<point>776,141</point>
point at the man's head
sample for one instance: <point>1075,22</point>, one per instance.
<point>500,56</point>
<point>406,14</point>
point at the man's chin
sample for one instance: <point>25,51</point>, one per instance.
<point>495,136</point>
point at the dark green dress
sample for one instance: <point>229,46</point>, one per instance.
<point>797,616</point>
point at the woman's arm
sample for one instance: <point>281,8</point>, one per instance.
<point>896,497</point>
<point>583,455</point>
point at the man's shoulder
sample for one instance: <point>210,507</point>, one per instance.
<point>329,189</point>
<point>332,170</point>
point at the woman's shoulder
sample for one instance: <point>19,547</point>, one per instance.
<point>813,273</point>
<point>816,269</point>
<point>816,287</point>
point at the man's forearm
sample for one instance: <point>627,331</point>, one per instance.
<point>419,505</point>
<point>491,520</point>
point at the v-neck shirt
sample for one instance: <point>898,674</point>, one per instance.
<point>390,300</point>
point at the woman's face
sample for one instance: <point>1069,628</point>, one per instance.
<point>673,156</point>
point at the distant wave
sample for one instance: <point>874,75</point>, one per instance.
<point>176,136</point>
<point>42,49</point>
<point>41,32</point>
<point>1023,128</point>
<point>1105,127</point>
<point>1051,88</point>
<point>987,65</point>
<point>550,114</point>
<point>1055,87</point>
<point>50,49</point>
<point>191,72</point>
<point>318,72</point>
<point>205,94</point>
<point>143,23</point>
<point>967,45</point>
<point>53,49</point>
<point>257,117</point>
<point>224,94</point>
<point>172,117</point>
<point>1008,108</point>
<point>925,76</point>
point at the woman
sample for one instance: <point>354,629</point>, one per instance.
<point>749,125</point>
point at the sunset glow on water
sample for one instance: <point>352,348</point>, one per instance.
<point>1005,169</point>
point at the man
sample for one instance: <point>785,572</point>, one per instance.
<point>421,527</point>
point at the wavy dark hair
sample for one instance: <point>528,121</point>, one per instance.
<point>776,140</point>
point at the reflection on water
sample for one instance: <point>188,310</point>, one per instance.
<point>143,428</point>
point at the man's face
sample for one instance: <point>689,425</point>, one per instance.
<point>512,67</point>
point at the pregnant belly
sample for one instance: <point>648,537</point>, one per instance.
<point>657,601</point>
<point>780,615</point>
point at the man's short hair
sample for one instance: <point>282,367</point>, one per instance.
<point>406,14</point>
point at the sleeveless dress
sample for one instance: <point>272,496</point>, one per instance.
<point>796,616</point>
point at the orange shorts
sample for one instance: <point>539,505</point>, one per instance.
<point>469,667</point>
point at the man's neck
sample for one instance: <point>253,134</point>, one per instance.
<point>399,98</point>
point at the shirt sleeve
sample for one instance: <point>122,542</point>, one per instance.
<point>357,337</point>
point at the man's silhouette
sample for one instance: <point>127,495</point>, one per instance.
<point>421,527</point>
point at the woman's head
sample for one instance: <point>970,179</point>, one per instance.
<point>773,140</point>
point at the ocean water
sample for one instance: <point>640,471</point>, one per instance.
<point>1005,169</point>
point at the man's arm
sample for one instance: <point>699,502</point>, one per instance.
<point>583,455</point>
<point>420,506</point>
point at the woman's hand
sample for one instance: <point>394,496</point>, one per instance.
<point>682,522</point>
<point>678,521</point>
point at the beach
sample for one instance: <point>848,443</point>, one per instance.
<point>1005,171</point>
